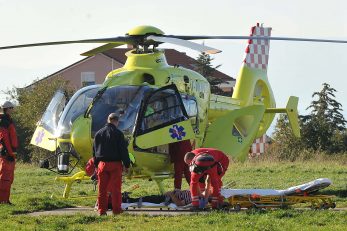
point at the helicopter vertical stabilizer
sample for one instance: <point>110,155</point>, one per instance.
<point>257,51</point>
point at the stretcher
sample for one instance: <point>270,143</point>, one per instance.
<point>271,198</point>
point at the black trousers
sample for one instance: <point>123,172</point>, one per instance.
<point>156,199</point>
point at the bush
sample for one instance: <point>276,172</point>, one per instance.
<point>275,153</point>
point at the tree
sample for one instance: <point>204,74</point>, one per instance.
<point>324,127</point>
<point>205,68</point>
<point>285,144</point>
<point>31,105</point>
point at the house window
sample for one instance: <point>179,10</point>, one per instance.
<point>87,78</point>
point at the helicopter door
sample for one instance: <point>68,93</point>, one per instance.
<point>47,126</point>
<point>162,119</point>
<point>234,132</point>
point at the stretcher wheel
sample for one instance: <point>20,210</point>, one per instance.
<point>254,207</point>
<point>333,205</point>
<point>237,207</point>
<point>325,206</point>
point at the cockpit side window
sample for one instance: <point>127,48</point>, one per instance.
<point>191,107</point>
<point>76,107</point>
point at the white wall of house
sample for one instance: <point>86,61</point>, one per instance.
<point>90,70</point>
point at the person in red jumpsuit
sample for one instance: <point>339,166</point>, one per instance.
<point>109,151</point>
<point>203,162</point>
<point>177,151</point>
<point>8,146</point>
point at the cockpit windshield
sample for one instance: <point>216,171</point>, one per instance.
<point>77,105</point>
<point>122,100</point>
<point>53,112</point>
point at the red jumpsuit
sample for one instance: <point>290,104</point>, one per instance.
<point>177,152</point>
<point>218,156</point>
<point>90,171</point>
<point>8,146</point>
<point>110,180</point>
<point>216,173</point>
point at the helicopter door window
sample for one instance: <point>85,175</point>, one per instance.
<point>162,109</point>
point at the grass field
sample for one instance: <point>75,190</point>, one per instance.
<point>33,188</point>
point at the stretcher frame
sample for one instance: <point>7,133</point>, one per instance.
<point>280,201</point>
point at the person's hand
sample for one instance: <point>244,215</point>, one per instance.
<point>94,177</point>
<point>169,193</point>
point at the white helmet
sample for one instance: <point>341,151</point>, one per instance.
<point>7,104</point>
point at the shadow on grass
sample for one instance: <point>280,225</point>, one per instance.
<point>39,204</point>
<point>339,193</point>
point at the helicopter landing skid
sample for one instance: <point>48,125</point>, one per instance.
<point>68,180</point>
<point>159,182</point>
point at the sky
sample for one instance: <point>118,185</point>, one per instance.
<point>295,68</point>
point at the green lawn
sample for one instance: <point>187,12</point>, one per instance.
<point>33,188</point>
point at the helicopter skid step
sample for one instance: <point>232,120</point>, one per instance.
<point>68,180</point>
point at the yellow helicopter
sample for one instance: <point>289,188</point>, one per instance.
<point>161,104</point>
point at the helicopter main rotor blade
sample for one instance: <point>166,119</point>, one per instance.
<point>257,37</point>
<point>117,40</point>
<point>102,48</point>
<point>184,43</point>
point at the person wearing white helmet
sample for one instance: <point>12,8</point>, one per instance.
<point>8,146</point>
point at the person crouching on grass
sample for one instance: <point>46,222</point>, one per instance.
<point>109,151</point>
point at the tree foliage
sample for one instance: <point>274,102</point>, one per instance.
<point>286,145</point>
<point>31,106</point>
<point>324,129</point>
<point>206,69</point>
